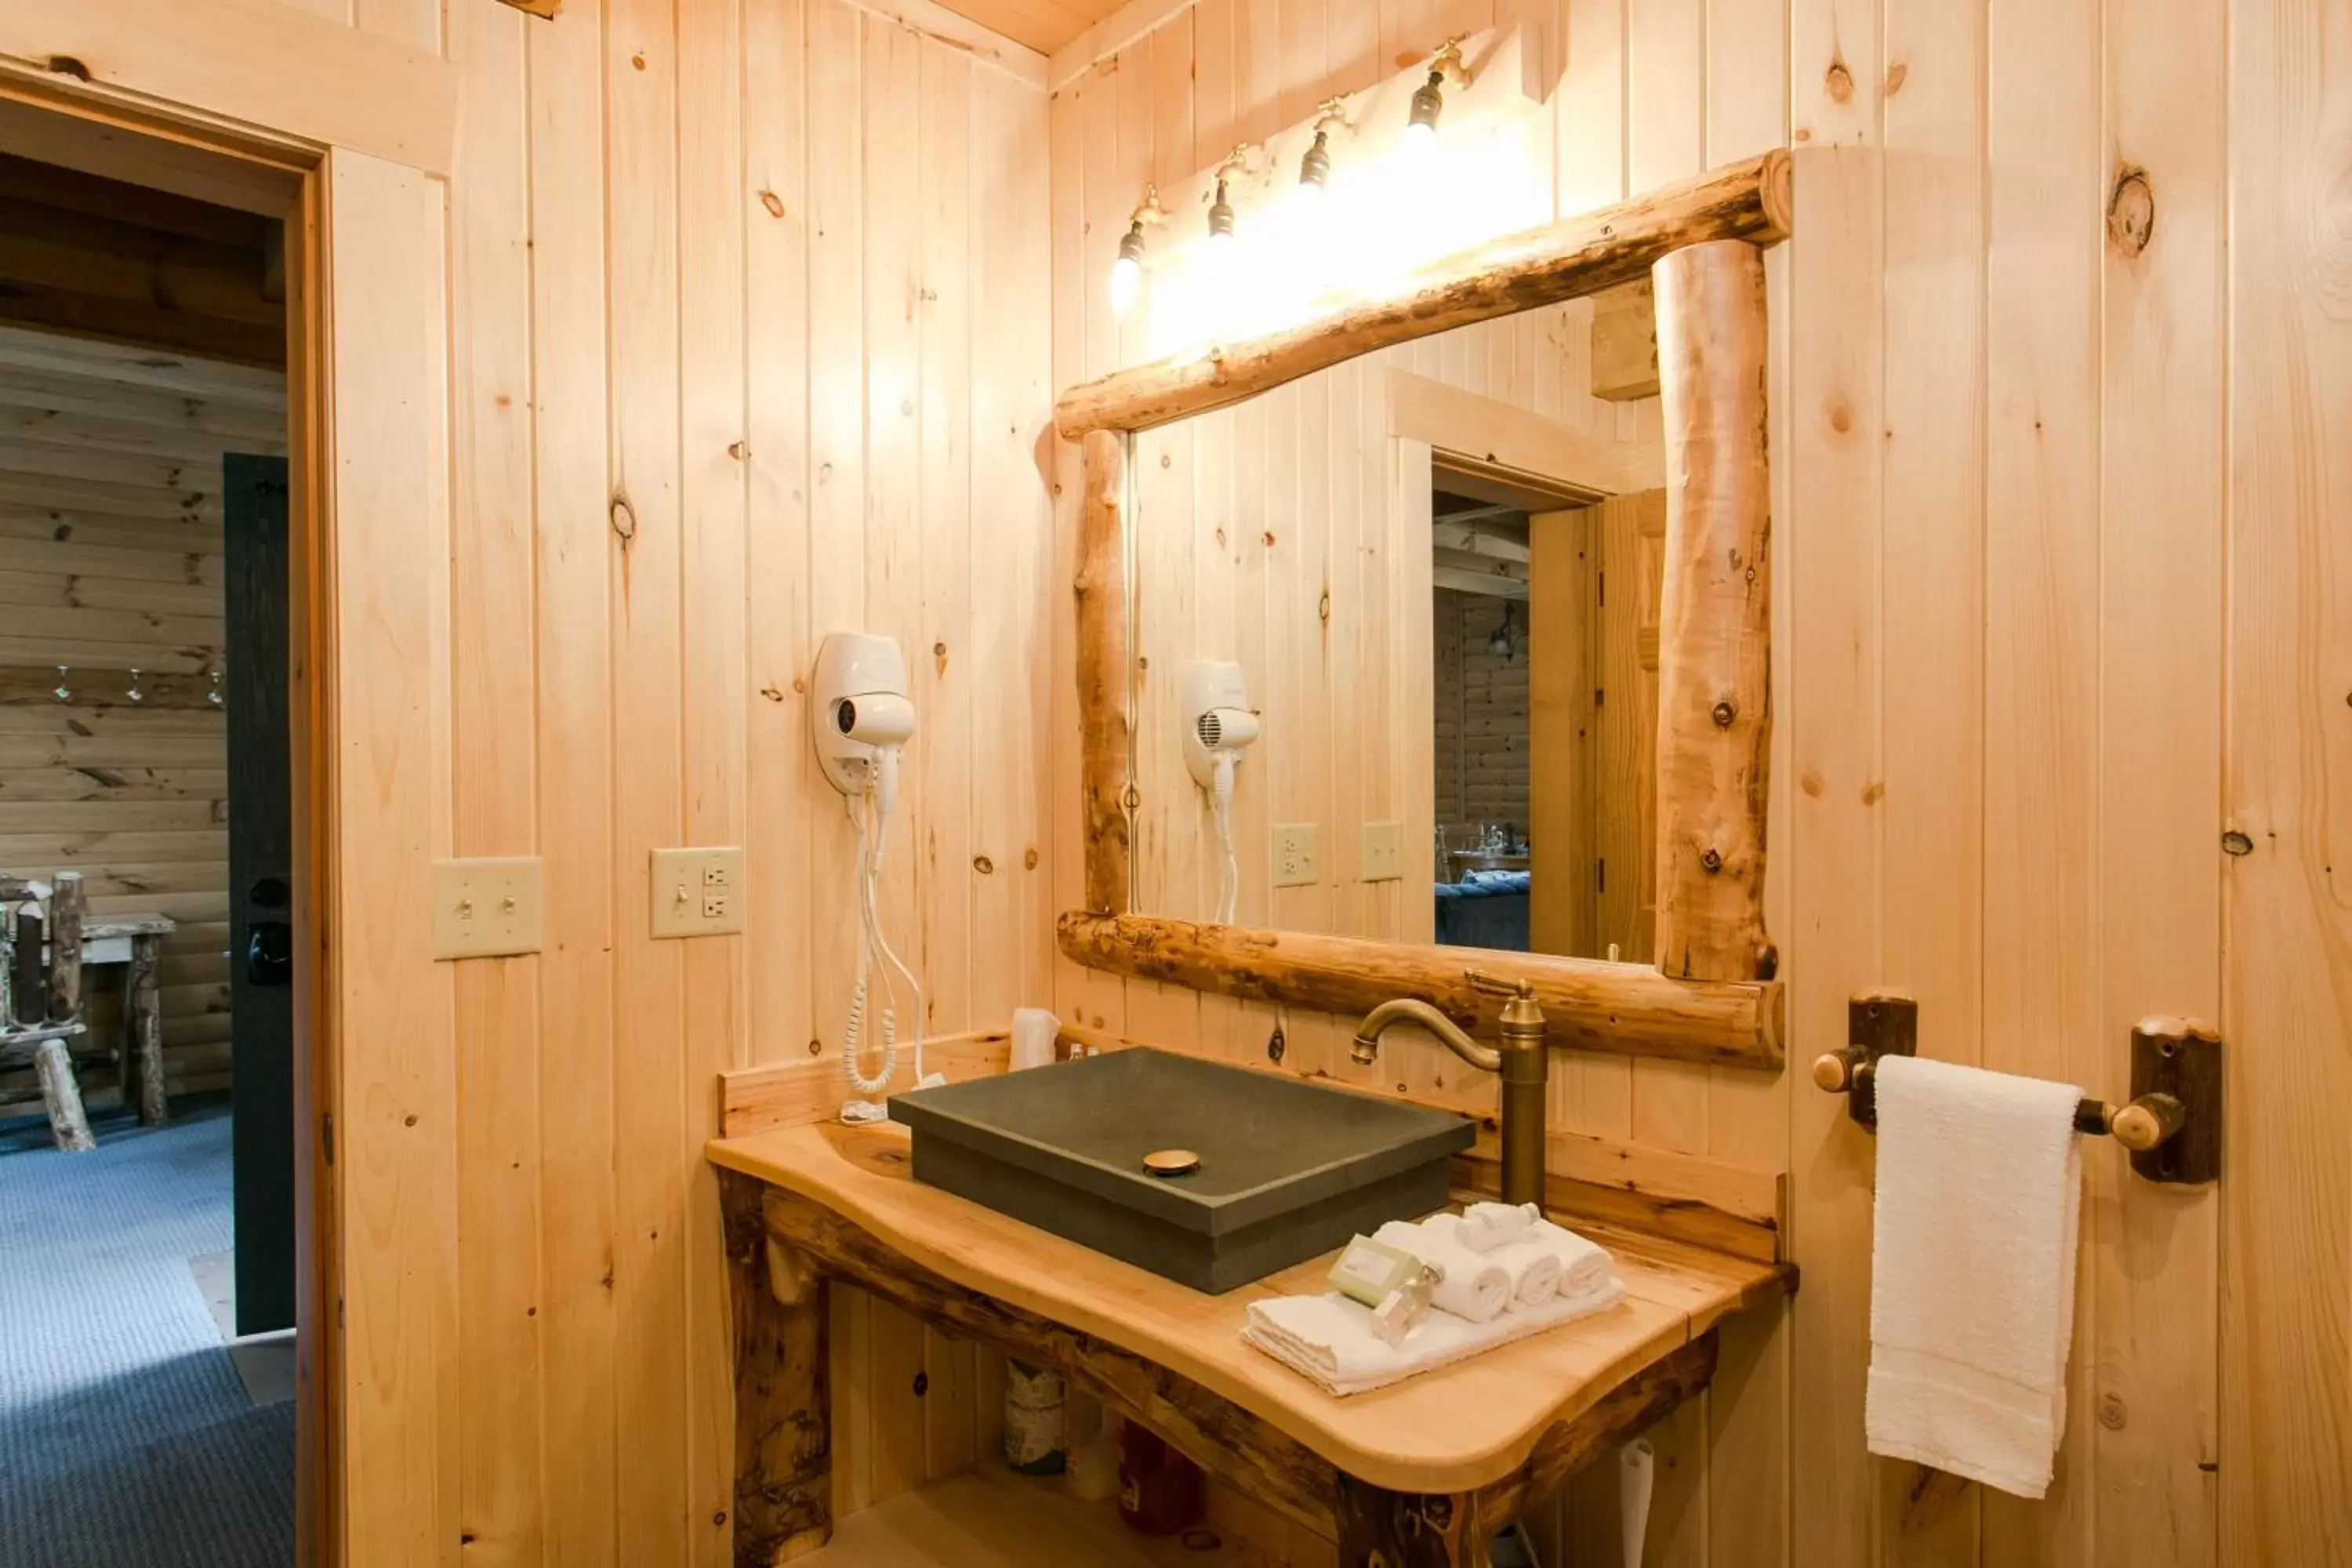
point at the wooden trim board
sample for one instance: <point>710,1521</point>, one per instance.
<point>794,1094</point>
<point>293,71</point>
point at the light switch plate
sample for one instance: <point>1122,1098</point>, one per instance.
<point>486,908</point>
<point>1294,859</point>
<point>696,893</point>
<point>1383,852</point>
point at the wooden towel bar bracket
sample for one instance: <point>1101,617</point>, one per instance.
<point>2172,1124</point>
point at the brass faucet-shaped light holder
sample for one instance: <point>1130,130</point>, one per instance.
<point>1522,1062</point>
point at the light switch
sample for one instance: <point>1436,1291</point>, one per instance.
<point>1294,861</point>
<point>486,908</point>
<point>1383,852</point>
<point>696,893</point>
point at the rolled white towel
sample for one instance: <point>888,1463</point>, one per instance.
<point>1485,1226</point>
<point>1473,1288</point>
<point>1584,1264</point>
<point>1534,1268</point>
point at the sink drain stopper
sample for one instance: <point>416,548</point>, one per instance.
<point>1171,1161</point>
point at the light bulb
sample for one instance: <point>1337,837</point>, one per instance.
<point>1315,168</point>
<point>1127,272</point>
<point>1221,217</point>
<point>1428,103</point>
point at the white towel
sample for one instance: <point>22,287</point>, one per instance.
<point>1972,1271</point>
<point>1584,1264</point>
<point>1473,1286</point>
<point>1330,1341</point>
<point>1485,1226</point>
<point>1534,1267</point>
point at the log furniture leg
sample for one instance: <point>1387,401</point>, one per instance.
<point>783,1423</point>
<point>142,1007</point>
<point>52,1058</point>
<point>1380,1528</point>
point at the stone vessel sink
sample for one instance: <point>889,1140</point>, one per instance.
<point>1286,1169</point>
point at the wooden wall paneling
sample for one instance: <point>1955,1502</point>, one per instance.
<point>714,698</point>
<point>946,673</point>
<point>1932,651</point>
<point>1012,575</point>
<point>1833,327</point>
<point>782,914</point>
<point>837,574</point>
<point>893,124</point>
<point>2286,1370</point>
<point>1176,855</point>
<point>649,1079</point>
<point>1562,723</point>
<point>494,741</point>
<point>2042,1013</point>
<point>1750,1452</point>
<point>396,1148</point>
<point>2161,576</point>
<point>578,569</point>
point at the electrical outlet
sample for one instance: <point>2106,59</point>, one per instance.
<point>1383,851</point>
<point>696,893</point>
<point>486,908</point>
<point>1294,861</point>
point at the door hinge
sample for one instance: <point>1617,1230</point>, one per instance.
<point>1600,875</point>
<point>327,1137</point>
<point>1600,588</point>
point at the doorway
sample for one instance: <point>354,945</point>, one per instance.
<point>149,1180</point>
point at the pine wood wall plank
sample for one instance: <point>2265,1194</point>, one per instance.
<point>650,1296</point>
<point>2286,1369</point>
<point>493,736</point>
<point>575,581</point>
<point>2161,587</point>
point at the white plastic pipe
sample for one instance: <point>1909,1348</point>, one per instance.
<point>1636,1467</point>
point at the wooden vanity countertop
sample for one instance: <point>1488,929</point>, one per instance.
<point>1452,1430</point>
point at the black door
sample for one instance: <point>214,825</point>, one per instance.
<point>260,867</point>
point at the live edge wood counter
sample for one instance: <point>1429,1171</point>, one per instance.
<point>1421,1472</point>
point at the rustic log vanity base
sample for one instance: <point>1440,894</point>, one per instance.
<point>1424,1472</point>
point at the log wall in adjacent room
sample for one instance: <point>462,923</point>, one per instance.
<point>110,562</point>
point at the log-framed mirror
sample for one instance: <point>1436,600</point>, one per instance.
<point>1707,992</point>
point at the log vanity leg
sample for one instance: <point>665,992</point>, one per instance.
<point>783,1417</point>
<point>1380,1528</point>
<point>142,1008</point>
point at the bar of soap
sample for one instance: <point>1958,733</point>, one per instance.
<point>1370,1271</point>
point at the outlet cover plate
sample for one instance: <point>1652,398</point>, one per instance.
<point>696,893</point>
<point>490,907</point>
<point>1296,863</point>
<point>1383,851</point>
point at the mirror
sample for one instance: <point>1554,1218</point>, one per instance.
<point>1431,578</point>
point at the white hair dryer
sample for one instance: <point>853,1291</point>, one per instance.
<point>859,719</point>
<point>1219,726</point>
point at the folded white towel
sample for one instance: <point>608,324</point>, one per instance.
<point>1330,1341</point>
<point>1534,1267</point>
<point>1584,1264</point>
<point>1972,1271</point>
<point>1473,1287</point>
<point>1485,1226</point>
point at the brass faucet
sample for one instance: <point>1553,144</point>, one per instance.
<point>1522,1062</point>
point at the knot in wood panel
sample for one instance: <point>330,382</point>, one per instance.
<point>2131,211</point>
<point>625,518</point>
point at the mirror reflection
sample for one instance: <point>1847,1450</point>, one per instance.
<point>1394,634</point>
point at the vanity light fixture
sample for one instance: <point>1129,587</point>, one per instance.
<point>1127,272</point>
<point>1315,168</point>
<point>1429,98</point>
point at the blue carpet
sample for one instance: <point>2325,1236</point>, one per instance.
<point>126,1438</point>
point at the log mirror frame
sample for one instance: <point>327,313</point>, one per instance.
<point>1713,994</point>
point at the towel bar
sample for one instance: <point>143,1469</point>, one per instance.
<point>2172,1124</point>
